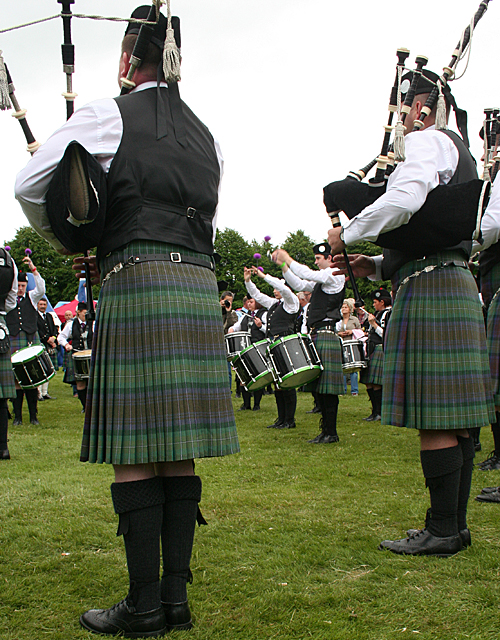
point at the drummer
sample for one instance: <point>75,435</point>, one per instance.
<point>21,322</point>
<point>80,332</point>
<point>282,312</point>
<point>327,296</point>
<point>373,374</point>
<point>255,322</point>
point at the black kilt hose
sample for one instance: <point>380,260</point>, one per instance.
<point>329,349</point>
<point>436,370</point>
<point>158,387</point>
<point>374,372</point>
<point>490,284</point>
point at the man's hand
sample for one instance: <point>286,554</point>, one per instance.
<point>52,341</point>
<point>68,347</point>
<point>78,266</point>
<point>231,330</point>
<point>334,240</point>
<point>258,272</point>
<point>280,255</point>
<point>372,320</point>
<point>28,261</point>
<point>258,322</point>
<point>247,274</point>
<point>362,266</point>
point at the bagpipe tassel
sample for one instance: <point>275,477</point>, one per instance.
<point>171,53</point>
<point>399,142</point>
<point>441,111</point>
<point>4,87</point>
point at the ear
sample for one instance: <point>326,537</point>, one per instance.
<point>124,64</point>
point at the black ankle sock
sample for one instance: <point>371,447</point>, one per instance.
<point>140,508</point>
<point>442,468</point>
<point>182,495</point>
<point>468,453</point>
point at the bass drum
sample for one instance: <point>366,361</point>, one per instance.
<point>295,360</point>
<point>253,367</point>
<point>32,366</point>
<point>236,342</point>
<point>353,356</point>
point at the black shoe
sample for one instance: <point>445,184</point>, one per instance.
<point>47,397</point>
<point>4,454</point>
<point>238,394</point>
<point>477,446</point>
<point>34,422</point>
<point>178,616</point>
<point>424,543</point>
<point>41,399</point>
<point>492,463</point>
<point>123,619</point>
<point>376,418</point>
<point>328,439</point>
<point>256,408</point>
<point>17,422</point>
<point>314,410</point>
<point>277,424</point>
<point>317,439</point>
<point>243,408</point>
<point>494,496</point>
<point>490,489</point>
<point>287,425</point>
<point>463,533</point>
<point>370,418</point>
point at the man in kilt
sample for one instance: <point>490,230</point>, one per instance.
<point>372,376</point>
<point>436,373</point>
<point>158,394</point>
<point>328,289</point>
<point>47,332</point>
<point>22,323</point>
<point>8,294</point>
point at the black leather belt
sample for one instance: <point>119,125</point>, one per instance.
<point>328,326</point>
<point>174,256</point>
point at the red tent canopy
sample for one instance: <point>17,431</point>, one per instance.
<point>71,306</point>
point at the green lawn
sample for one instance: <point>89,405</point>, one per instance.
<point>291,546</point>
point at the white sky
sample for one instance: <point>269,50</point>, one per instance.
<point>296,92</point>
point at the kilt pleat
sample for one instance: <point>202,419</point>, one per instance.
<point>7,381</point>
<point>374,372</point>
<point>490,283</point>
<point>158,387</point>
<point>329,350</point>
<point>436,371</point>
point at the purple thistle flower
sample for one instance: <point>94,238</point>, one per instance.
<point>257,256</point>
<point>261,269</point>
<point>267,238</point>
<point>7,248</point>
<point>27,252</point>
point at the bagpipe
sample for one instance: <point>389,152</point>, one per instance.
<point>451,213</point>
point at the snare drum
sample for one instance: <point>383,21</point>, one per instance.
<point>81,364</point>
<point>236,342</point>
<point>295,360</point>
<point>32,366</point>
<point>353,356</point>
<point>253,367</point>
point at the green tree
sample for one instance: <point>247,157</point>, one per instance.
<point>300,248</point>
<point>365,286</point>
<point>235,253</point>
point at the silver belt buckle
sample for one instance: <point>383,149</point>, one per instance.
<point>190,212</point>
<point>175,257</point>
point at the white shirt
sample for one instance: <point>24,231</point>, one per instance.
<point>431,160</point>
<point>237,326</point>
<point>301,278</point>
<point>98,127</point>
<point>11,299</point>
<point>490,224</point>
<point>291,303</point>
<point>36,294</point>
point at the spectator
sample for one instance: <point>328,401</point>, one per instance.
<point>47,332</point>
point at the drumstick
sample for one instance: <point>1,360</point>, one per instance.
<point>358,300</point>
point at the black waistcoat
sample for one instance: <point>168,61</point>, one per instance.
<point>382,318</point>
<point>248,324</point>
<point>46,327</point>
<point>157,189</point>
<point>279,321</point>
<point>466,170</point>
<point>81,341</point>
<point>22,318</point>
<point>324,305</point>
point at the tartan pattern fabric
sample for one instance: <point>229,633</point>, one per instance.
<point>489,285</point>
<point>7,381</point>
<point>436,372</point>
<point>329,350</point>
<point>158,389</point>
<point>374,372</point>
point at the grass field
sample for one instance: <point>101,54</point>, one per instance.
<point>291,546</point>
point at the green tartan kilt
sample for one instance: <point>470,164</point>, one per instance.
<point>329,350</point>
<point>7,380</point>
<point>158,388</point>
<point>374,372</point>
<point>436,371</point>
<point>490,283</point>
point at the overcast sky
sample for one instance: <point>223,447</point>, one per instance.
<point>295,92</point>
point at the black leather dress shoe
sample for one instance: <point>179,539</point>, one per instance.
<point>463,533</point>
<point>122,619</point>
<point>317,439</point>
<point>287,425</point>
<point>315,410</point>
<point>47,397</point>
<point>276,424</point>
<point>243,408</point>
<point>491,463</point>
<point>490,489</point>
<point>256,408</point>
<point>34,421</point>
<point>328,439</point>
<point>424,543</point>
<point>177,616</point>
<point>370,418</point>
<point>17,422</point>
<point>4,454</point>
<point>494,496</point>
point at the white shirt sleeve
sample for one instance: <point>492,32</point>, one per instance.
<point>65,334</point>
<point>490,224</point>
<point>330,282</point>
<point>297,283</point>
<point>265,301</point>
<point>38,292</point>
<point>291,303</point>
<point>237,325</point>
<point>11,299</point>
<point>378,268</point>
<point>431,160</point>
